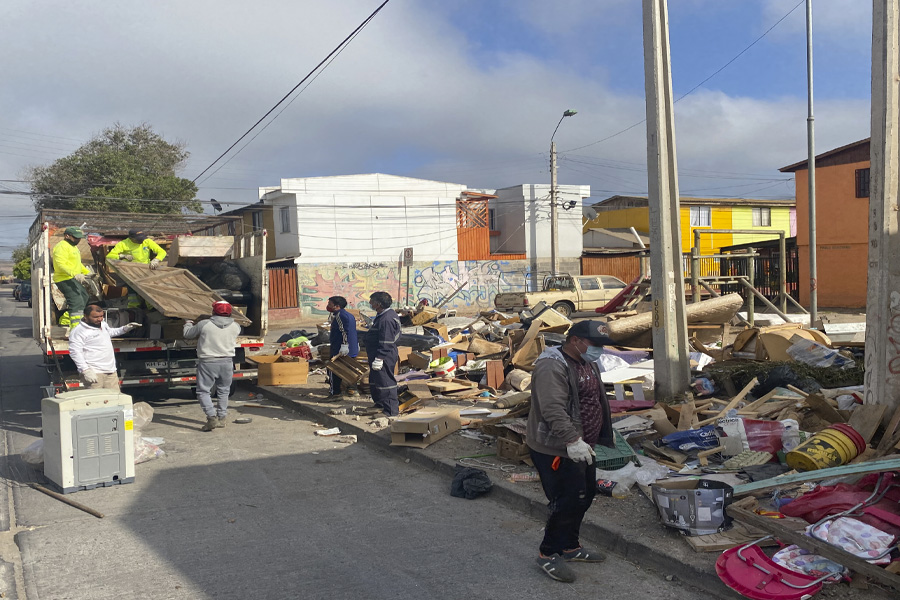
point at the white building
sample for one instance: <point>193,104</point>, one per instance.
<point>363,218</point>
<point>521,214</point>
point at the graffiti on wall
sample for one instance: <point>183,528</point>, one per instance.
<point>480,281</point>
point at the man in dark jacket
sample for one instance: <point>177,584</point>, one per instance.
<point>381,350</point>
<point>343,340</point>
<point>569,415</point>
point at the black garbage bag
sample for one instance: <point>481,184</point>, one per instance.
<point>470,483</point>
<point>782,376</point>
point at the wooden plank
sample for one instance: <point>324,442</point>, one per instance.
<point>823,408</point>
<point>866,418</point>
<point>733,404</point>
<point>885,444</point>
<point>686,416</point>
<point>888,464</point>
<point>756,404</point>
<point>772,526</point>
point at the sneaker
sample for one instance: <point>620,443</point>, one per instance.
<point>333,398</point>
<point>556,568</point>
<point>353,393</point>
<point>211,423</point>
<point>220,424</point>
<point>581,555</point>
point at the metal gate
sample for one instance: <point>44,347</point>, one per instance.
<point>283,287</point>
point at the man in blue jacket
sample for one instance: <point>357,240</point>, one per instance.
<point>343,340</point>
<point>381,350</point>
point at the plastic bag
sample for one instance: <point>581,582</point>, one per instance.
<point>470,483</point>
<point>817,355</point>
<point>33,454</point>
<point>624,478</point>
<point>143,415</point>
<point>692,439</point>
<point>144,450</point>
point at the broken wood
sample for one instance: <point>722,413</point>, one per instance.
<point>705,454</point>
<point>823,408</point>
<point>66,500</point>
<point>866,418</point>
<point>733,404</point>
<point>687,415</point>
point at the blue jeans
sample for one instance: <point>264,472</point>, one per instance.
<point>216,372</point>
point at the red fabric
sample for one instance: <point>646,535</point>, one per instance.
<point>589,387</point>
<point>222,308</point>
<point>830,500</point>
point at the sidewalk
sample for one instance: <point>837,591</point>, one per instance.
<point>628,527</point>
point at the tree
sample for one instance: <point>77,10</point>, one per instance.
<point>21,257</point>
<point>122,169</point>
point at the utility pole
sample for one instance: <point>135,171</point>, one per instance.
<point>883,300</point>
<point>554,200</point>
<point>670,342</point>
<point>811,171</point>
<point>554,217</point>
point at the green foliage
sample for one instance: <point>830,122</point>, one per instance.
<point>22,258</point>
<point>118,170</point>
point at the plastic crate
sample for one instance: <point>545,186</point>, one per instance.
<point>610,459</point>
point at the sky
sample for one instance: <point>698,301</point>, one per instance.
<point>467,91</point>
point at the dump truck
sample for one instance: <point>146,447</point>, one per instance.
<point>209,258</point>
<point>565,294</point>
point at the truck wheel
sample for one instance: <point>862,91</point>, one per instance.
<point>563,308</point>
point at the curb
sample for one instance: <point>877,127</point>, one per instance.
<point>616,540</point>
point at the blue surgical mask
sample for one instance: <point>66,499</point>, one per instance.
<point>592,353</point>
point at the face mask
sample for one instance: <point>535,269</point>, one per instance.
<point>592,353</point>
<point>73,242</point>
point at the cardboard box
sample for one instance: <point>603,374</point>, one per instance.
<point>274,370</point>
<point>696,507</point>
<point>418,361</point>
<point>438,329</point>
<point>425,426</point>
<point>404,352</point>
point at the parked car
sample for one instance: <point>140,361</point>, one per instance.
<point>565,294</point>
<point>25,293</point>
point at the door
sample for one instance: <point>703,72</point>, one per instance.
<point>174,292</point>
<point>611,286</point>
<point>99,440</point>
<point>592,294</point>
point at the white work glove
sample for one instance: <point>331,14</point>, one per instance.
<point>90,376</point>
<point>189,322</point>
<point>127,257</point>
<point>344,351</point>
<point>132,326</point>
<point>154,264</point>
<point>81,278</point>
<point>377,364</point>
<point>580,451</point>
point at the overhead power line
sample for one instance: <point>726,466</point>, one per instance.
<point>337,50</point>
<point>696,87</point>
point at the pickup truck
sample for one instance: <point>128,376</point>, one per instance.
<point>565,294</point>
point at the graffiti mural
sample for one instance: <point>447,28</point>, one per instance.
<point>480,281</point>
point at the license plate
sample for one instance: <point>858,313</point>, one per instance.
<point>159,364</point>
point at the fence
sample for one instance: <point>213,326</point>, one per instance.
<point>765,272</point>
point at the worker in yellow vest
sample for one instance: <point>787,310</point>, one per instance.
<point>69,273</point>
<point>137,248</point>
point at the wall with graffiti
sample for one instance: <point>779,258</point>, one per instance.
<point>481,280</point>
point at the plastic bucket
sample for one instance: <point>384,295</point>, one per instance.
<point>831,447</point>
<point>854,435</point>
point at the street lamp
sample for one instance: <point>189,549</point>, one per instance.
<point>554,223</point>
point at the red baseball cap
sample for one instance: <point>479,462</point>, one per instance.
<point>222,308</point>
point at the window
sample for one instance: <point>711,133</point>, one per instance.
<point>612,283</point>
<point>862,183</point>
<point>762,216</point>
<point>285,219</point>
<point>700,216</point>
<point>492,219</point>
<point>589,283</point>
<point>257,217</point>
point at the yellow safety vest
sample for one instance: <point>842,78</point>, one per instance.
<point>139,252</point>
<point>67,262</point>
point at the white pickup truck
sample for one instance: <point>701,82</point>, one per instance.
<point>565,294</point>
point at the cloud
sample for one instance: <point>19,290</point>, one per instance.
<point>834,21</point>
<point>415,94</point>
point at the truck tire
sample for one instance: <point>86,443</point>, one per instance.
<point>563,308</point>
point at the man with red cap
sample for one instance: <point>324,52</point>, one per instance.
<point>216,339</point>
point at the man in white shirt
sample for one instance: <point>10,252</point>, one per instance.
<point>90,346</point>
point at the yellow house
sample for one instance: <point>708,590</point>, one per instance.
<point>703,213</point>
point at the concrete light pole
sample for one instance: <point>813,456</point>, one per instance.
<point>554,220</point>
<point>811,171</point>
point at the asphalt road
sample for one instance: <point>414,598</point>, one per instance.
<point>263,510</point>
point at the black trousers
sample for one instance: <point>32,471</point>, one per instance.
<point>570,489</point>
<point>383,387</point>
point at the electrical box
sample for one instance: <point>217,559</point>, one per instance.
<point>88,439</point>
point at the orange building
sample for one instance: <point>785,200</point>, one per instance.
<point>842,238</point>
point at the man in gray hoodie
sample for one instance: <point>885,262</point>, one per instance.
<point>216,339</point>
<point>569,415</point>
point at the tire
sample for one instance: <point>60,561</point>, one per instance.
<point>563,308</point>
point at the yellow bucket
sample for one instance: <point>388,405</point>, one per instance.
<point>828,448</point>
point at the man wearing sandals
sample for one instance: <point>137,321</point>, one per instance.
<point>569,414</point>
